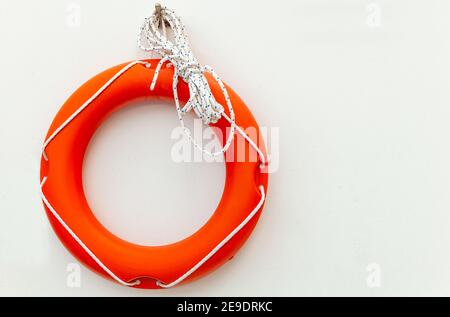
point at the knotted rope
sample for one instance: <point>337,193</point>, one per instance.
<point>186,66</point>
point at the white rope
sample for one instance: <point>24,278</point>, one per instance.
<point>201,100</point>
<point>186,66</point>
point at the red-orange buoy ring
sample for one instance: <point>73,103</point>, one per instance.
<point>87,239</point>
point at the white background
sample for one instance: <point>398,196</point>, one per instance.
<point>358,89</point>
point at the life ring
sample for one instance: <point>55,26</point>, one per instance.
<point>88,240</point>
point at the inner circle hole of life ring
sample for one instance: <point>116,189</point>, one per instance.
<point>62,187</point>
<point>127,192</point>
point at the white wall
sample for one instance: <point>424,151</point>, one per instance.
<point>358,89</point>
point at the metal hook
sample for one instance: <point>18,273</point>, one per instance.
<point>158,11</point>
<point>158,14</point>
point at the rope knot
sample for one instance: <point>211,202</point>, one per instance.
<point>188,68</point>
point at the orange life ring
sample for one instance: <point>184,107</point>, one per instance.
<point>109,255</point>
